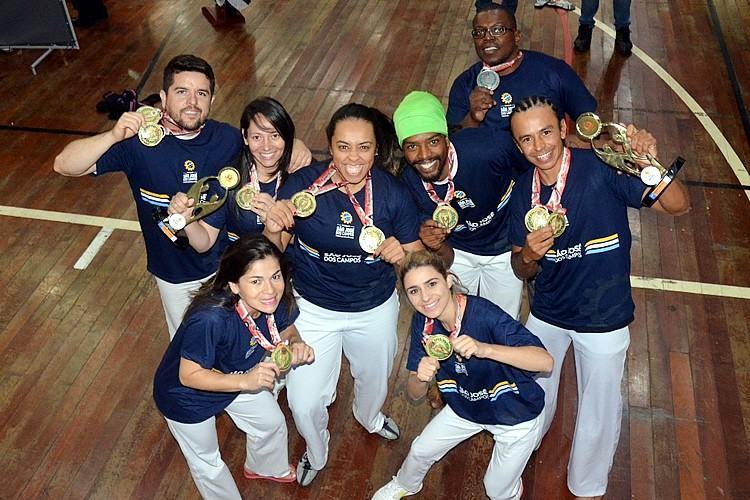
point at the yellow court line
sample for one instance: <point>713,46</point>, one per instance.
<point>730,155</point>
<point>86,220</point>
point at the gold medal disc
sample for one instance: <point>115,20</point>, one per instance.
<point>536,218</point>
<point>446,216</point>
<point>245,196</point>
<point>150,114</point>
<point>282,357</point>
<point>588,126</point>
<point>151,134</point>
<point>557,223</point>
<point>438,347</point>
<point>304,203</point>
<point>229,177</point>
<point>371,238</point>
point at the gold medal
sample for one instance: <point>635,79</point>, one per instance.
<point>151,134</point>
<point>304,203</point>
<point>438,347</point>
<point>282,357</point>
<point>557,223</point>
<point>588,126</point>
<point>150,114</point>
<point>371,238</point>
<point>229,177</point>
<point>536,218</point>
<point>245,196</point>
<point>446,216</point>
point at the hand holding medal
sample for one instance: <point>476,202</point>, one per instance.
<point>228,178</point>
<point>633,156</point>
<point>151,132</point>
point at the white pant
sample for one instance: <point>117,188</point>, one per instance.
<point>492,276</point>
<point>259,416</point>
<point>175,299</point>
<point>600,362</point>
<point>368,340</point>
<point>513,447</point>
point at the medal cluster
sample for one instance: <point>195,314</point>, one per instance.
<point>540,216</point>
<point>152,132</point>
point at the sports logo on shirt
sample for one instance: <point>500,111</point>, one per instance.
<point>345,230</point>
<point>463,200</point>
<point>460,195</point>
<point>190,175</point>
<point>506,104</point>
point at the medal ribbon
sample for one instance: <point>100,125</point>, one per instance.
<point>430,322</point>
<point>451,187</point>
<point>365,216</point>
<point>255,180</point>
<point>244,315</point>
<point>320,186</point>
<point>503,66</point>
<point>180,131</point>
<point>554,203</point>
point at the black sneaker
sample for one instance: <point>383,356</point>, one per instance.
<point>623,45</point>
<point>305,471</point>
<point>583,40</point>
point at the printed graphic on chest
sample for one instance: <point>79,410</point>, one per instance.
<point>345,229</point>
<point>190,173</point>
<point>506,104</point>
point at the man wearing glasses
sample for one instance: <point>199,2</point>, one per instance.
<point>521,74</point>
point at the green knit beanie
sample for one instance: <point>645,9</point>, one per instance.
<point>419,113</point>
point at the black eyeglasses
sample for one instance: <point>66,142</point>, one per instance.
<point>495,31</point>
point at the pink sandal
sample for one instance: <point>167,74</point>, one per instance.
<point>289,478</point>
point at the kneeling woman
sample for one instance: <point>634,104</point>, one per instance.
<point>215,362</point>
<point>485,380</point>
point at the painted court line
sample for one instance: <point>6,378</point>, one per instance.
<point>695,287</point>
<point>86,220</point>
<point>96,244</point>
<point>730,155</point>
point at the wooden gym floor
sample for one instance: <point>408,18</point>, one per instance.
<point>78,347</point>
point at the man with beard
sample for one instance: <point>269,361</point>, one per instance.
<point>582,291</point>
<point>194,147</point>
<point>521,73</point>
<point>467,178</point>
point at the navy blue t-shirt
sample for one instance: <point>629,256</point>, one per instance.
<point>330,268</point>
<point>483,390</point>
<point>216,339</point>
<point>483,183</point>
<point>584,280</point>
<point>156,174</point>
<point>538,74</point>
<point>236,221</point>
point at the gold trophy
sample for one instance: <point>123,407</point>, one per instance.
<point>589,126</point>
<point>228,178</point>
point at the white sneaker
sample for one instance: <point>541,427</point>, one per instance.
<point>393,491</point>
<point>305,471</point>
<point>389,430</point>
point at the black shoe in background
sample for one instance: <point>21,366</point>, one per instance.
<point>623,45</point>
<point>583,40</point>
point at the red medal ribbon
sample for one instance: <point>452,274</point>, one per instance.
<point>460,308</point>
<point>365,216</point>
<point>320,186</point>
<point>180,131</point>
<point>503,66</point>
<point>255,180</point>
<point>554,204</point>
<point>452,158</point>
<point>247,319</point>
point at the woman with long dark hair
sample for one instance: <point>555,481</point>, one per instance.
<point>217,361</point>
<point>268,134</point>
<point>354,222</point>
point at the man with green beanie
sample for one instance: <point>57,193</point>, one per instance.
<point>461,187</point>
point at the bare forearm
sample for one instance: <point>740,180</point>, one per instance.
<point>415,388</point>
<point>524,268</point>
<point>208,380</point>
<point>201,235</point>
<point>675,200</point>
<point>80,156</point>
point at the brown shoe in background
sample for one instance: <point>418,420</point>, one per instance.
<point>434,397</point>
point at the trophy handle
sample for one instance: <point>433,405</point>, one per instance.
<point>669,175</point>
